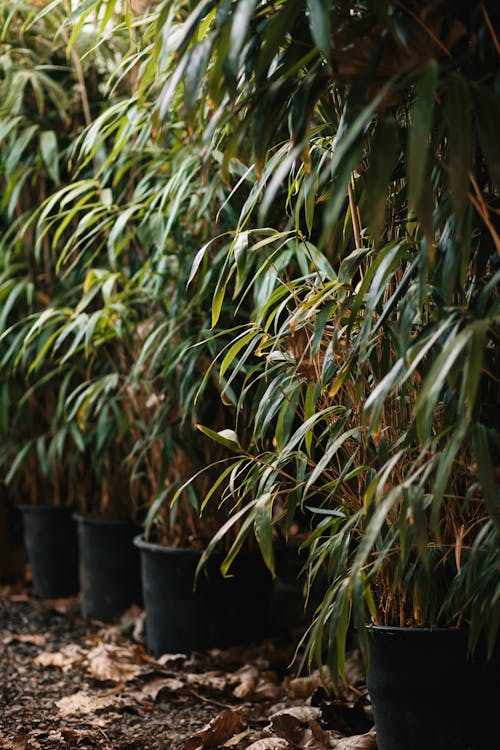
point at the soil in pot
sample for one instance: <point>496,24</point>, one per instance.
<point>110,577</point>
<point>51,545</point>
<point>219,612</point>
<point>426,693</point>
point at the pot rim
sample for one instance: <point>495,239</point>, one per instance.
<point>217,555</point>
<point>27,507</point>
<point>95,521</point>
<point>397,630</point>
<point>161,549</point>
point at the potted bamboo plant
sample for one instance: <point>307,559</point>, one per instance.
<point>387,337</point>
<point>131,323</point>
<point>47,99</point>
<point>39,112</point>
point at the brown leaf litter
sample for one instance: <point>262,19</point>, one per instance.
<point>67,682</point>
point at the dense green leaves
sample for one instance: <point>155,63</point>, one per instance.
<point>278,224</point>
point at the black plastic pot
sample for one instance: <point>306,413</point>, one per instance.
<point>427,694</point>
<point>110,575</point>
<point>51,545</point>
<point>219,612</point>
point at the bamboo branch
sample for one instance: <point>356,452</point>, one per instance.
<point>491,29</point>
<point>355,218</point>
<point>479,204</point>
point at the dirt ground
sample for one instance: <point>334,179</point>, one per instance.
<point>70,683</point>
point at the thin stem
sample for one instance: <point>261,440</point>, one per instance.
<point>491,29</point>
<point>354,216</point>
<point>479,204</point>
<point>426,28</point>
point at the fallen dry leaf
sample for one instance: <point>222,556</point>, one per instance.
<point>115,663</point>
<point>366,741</point>
<point>20,742</point>
<point>216,732</point>
<point>269,743</point>
<point>153,688</point>
<point>213,680</point>
<point>36,639</point>
<point>248,676</point>
<point>64,659</point>
<point>171,660</point>
<point>84,703</point>
<point>236,739</point>
<point>299,727</point>
<point>304,687</point>
<point>302,714</point>
<point>267,690</point>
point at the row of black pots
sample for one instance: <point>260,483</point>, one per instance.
<point>92,556</point>
<point>425,691</point>
<point>103,560</point>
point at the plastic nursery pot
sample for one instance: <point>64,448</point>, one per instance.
<point>110,577</point>
<point>12,552</point>
<point>219,612</point>
<point>427,694</point>
<point>51,546</point>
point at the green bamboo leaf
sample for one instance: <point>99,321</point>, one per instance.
<point>242,340</point>
<point>327,456</point>
<point>221,533</point>
<point>420,132</point>
<point>18,147</point>
<point>276,35</point>
<point>77,436</point>
<point>268,114</point>
<point>349,146</point>
<point>198,258</point>
<point>50,153</point>
<point>18,461</point>
<point>374,527</point>
<point>459,119</point>
<point>445,465</point>
<point>195,71</point>
<point>473,366</point>
<point>240,21</point>
<point>168,92</point>
<point>220,293</point>
<point>240,251</point>
<point>384,151</point>
<point>263,525</point>
<point>309,408</point>
<point>319,19</point>
<point>487,112</point>
<point>433,383</point>
<point>236,547</point>
<point>227,438</point>
<point>192,24</point>
<point>486,473</point>
<point>216,79</point>
<point>215,486</point>
<point>83,8</point>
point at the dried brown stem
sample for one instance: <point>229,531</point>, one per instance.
<point>491,29</point>
<point>354,216</point>
<point>479,204</point>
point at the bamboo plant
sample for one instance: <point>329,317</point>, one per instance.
<point>374,366</point>
<point>354,306</point>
